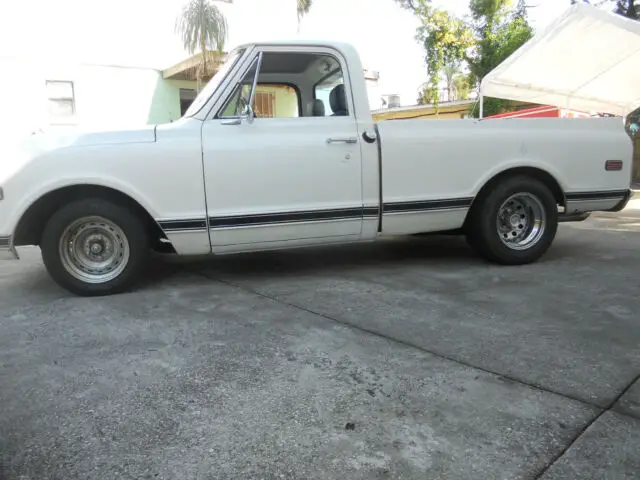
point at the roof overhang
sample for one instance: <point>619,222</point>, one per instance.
<point>587,60</point>
<point>188,69</point>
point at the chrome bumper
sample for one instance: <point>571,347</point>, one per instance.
<point>623,202</point>
<point>7,250</point>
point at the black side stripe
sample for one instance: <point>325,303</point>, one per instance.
<point>4,241</point>
<point>602,195</point>
<point>286,217</point>
<point>427,205</point>
<point>311,215</point>
<point>184,225</point>
<point>370,211</point>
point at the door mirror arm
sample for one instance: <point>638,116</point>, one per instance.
<point>247,115</point>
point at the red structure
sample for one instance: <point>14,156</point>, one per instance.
<point>543,112</point>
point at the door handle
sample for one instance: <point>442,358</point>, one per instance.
<point>342,140</point>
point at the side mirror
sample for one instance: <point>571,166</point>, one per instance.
<point>247,114</point>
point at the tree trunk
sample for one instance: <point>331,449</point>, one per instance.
<point>203,47</point>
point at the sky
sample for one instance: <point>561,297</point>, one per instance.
<point>141,32</point>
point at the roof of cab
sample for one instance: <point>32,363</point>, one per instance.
<point>343,47</point>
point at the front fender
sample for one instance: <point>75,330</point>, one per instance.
<point>22,205</point>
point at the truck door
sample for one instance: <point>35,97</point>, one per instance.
<point>283,172</point>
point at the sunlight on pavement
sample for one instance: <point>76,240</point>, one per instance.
<point>633,204</point>
<point>628,220</point>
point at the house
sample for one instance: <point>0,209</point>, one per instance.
<point>45,95</point>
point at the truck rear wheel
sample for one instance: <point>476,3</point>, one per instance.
<point>94,247</point>
<point>515,222</point>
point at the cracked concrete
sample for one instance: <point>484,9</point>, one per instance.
<point>629,404</point>
<point>399,360</point>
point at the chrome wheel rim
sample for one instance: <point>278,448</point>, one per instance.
<point>94,250</point>
<point>521,221</point>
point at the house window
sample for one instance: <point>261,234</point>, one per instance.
<point>60,101</point>
<point>265,104</point>
<point>187,96</point>
<point>271,100</point>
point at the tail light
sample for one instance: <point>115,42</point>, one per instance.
<point>613,165</point>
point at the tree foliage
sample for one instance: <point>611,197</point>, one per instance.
<point>626,8</point>
<point>461,86</point>
<point>203,28</point>
<point>496,29</point>
<point>302,9</point>
<point>500,29</point>
<point>445,40</point>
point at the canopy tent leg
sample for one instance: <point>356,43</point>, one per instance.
<point>481,105</point>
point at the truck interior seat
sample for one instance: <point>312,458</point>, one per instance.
<point>338,101</point>
<point>317,109</point>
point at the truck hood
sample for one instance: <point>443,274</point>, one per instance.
<point>17,153</point>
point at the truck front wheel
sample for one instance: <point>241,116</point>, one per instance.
<point>94,247</point>
<point>515,222</point>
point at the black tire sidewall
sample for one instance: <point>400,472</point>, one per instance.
<point>131,225</point>
<point>484,236</point>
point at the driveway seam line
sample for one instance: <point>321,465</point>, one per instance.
<point>581,432</point>
<point>612,405</point>
<point>570,444</point>
<point>401,342</point>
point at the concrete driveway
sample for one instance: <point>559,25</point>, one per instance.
<point>407,359</point>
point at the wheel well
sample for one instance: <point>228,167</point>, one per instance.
<point>31,225</point>
<point>538,174</point>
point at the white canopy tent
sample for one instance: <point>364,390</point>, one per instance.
<point>587,60</point>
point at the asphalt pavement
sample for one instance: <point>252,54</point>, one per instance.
<point>404,359</point>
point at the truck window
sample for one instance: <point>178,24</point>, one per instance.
<point>284,79</point>
<point>214,83</point>
<point>238,100</point>
<point>272,100</point>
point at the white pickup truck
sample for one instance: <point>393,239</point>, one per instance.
<point>245,170</point>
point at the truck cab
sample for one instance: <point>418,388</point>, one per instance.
<point>306,106</point>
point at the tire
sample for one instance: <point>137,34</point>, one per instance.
<point>500,231</point>
<point>111,247</point>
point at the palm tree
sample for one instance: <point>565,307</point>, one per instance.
<point>303,7</point>
<point>203,27</point>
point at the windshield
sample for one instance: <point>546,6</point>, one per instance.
<point>213,84</point>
